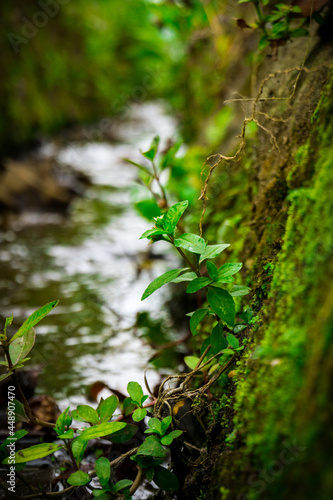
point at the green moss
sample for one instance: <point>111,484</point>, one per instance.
<point>283,396</point>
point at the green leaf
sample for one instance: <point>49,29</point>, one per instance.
<point>139,414</point>
<point>75,415</point>
<point>135,391</point>
<point>169,156</point>
<point>239,328</point>
<point>162,224</point>
<point>204,346</point>
<point>79,478</point>
<point>160,281</point>
<point>5,375</point>
<point>175,212</point>
<point>148,208</point>
<point>167,440</point>
<point>299,32</point>
<point>9,440</point>
<point>217,339</point>
<point>233,342</point>
<point>198,284</point>
<point>191,361</point>
<point>263,43</point>
<point>165,479</point>
<point>191,242</point>
<point>88,413</point>
<point>185,277</point>
<point>222,304</point>
<point>166,423</point>
<point>103,471</point>
<point>212,251</point>
<point>120,485</point>
<point>150,474</point>
<point>196,318</point>
<point>67,435</point>
<point>64,420</point>
<point>34,452</point>
<point>152,232</point>
<point>318,18</point>
<point>20,415</point>
<point>102,494</point>
<point>220,281</point>
<point>212,270</point>
<point>141,167</point>
<point>146,461</point>
<point>20,347</point>
<point>247,315</point>
<point>239,291</point>
<point>124,434</point>
<point>228,351</point>
<point>155,425</point>
<point>128,406</point>
<point>8,322</point>
<point>229,269</point>
<point>78,449</point>
<point>101,430</point>
<point>151,153</point>
<point>34,318</point>
<point>107,407</point>
<point>152,447</point>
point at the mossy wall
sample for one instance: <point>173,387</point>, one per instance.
<point>273,435</point>
<point>282,405</point>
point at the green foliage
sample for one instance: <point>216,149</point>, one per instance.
<point>223,305</point>
<point>150,454</point>
<point>92,59</point>
<point>219,316</point>
<point>35,318</point>
<point>17,348</point>
<point>220,343</point>
<point>78,478</point>
<point>276,22</point>
<point>34,452</point>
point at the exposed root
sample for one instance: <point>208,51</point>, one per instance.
<point>255,113</point>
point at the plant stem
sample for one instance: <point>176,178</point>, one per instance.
<point>22,396</point>
<point>138,480</point>
<point>70,453</point>
<point>217,375</point>
<point>9,361</point>
<point>261,18</point>
<point>185,258</point>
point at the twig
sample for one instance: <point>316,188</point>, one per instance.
<point>137,481</point>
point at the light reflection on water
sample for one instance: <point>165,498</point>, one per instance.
<point>90,262</point>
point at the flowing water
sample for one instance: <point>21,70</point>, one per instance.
<point>92,261</point>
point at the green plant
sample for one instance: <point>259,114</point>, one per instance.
<point>276,22</point>
<point>102,421</point>
<point>218,285</point>
<point>218,351</point>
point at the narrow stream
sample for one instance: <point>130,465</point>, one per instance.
<point>93,261</point>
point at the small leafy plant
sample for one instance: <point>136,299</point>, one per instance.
<point>218,285</point>
<point>277,22</point>
<point>115,421</point>
<point>97,423</point>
